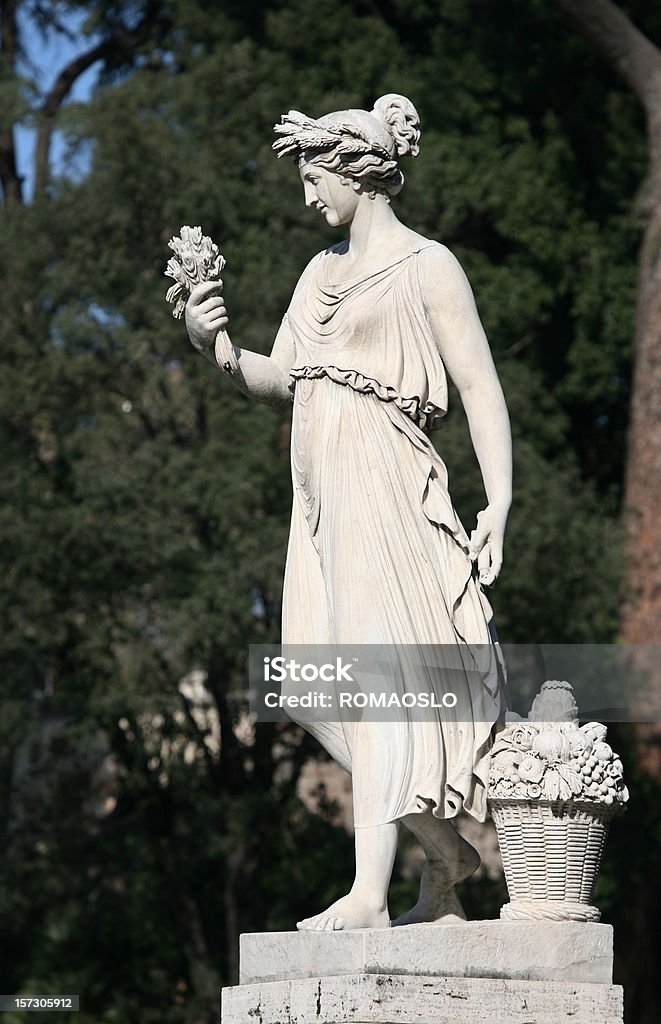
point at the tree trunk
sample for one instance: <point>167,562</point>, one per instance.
<point>638,61</point>
<point>12,185</point>
<point>641,612</point>
<point>48,111</point>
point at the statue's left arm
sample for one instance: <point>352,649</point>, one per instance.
<point>465,352</point>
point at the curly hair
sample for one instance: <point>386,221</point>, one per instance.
<point>354,143</point>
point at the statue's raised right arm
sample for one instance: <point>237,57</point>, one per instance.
<point>264,378</point>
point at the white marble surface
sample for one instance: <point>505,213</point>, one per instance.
<point>401,999</point>
<point>518,950</point>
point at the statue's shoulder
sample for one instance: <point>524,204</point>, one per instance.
<point>308,272</point>
<point>439,267</point>
<point>434,254</point>
<point>334,250</point>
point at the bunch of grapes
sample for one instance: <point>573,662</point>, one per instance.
<point>601,770</point>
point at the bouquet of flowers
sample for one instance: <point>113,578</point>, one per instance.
<point>197,259</point>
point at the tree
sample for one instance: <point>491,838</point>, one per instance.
<point>117,35</point>
<point>143,538</point>
<point>637,60</point>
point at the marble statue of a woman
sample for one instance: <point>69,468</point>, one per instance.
<point>376,552</point>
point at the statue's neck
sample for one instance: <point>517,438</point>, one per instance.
<point>372,226</point>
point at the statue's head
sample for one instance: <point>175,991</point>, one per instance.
<point>364,147</point>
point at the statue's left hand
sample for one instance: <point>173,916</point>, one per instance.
<point>486,542</point>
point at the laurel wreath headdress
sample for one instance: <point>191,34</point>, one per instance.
<point>300,133</point>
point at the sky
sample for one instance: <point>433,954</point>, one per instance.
<point>45,56</point>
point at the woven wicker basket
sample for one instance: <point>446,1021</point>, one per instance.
<point>551,853</point>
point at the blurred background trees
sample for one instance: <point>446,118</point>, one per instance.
<point>635,58</point>
<point>145,502</point>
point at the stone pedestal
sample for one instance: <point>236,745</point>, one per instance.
<point>482,972</point>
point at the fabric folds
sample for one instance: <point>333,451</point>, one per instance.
<point>377,554</point>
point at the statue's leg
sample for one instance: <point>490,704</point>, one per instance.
<point>450,859</point>
<point>366,905</point>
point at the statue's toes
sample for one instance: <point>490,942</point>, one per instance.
<point>318,923</point>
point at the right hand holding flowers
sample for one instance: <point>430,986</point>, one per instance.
<point>205,316</point>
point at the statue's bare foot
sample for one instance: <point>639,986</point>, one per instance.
<point>438,902</point>
<point>352,911</point>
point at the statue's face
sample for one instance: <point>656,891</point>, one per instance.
<point>333,196</point>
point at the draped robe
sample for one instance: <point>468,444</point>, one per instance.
<point>376,553</point>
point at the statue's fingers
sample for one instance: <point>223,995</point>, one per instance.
<point>485,567</point>
<point>478,539</point>
<point>489,563</point>
<point>484,560</point>
<point>203,291</point>
<point>211,305</point>
<point>496,548</point>
<point>496,566</point>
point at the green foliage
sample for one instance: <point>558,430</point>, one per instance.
<point>145,503</point>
